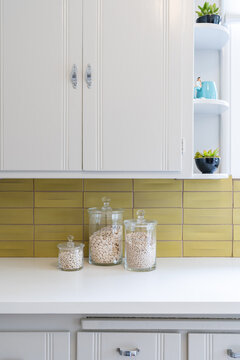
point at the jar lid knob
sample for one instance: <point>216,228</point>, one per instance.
<point>140,216</point>
<point>70,242</point>
<point>106,203</point>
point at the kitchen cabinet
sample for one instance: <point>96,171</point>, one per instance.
<point>134,109</point>
<point>131,109</point>
<point>40,121</point>
<point>213,346</point>
<point>112,346</point>
<point>35,345</point>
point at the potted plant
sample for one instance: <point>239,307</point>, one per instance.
<point>208,14</point>
<point>208,161</point>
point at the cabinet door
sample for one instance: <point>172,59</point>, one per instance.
<point>133,111</point>
<point>35,345</point>
<point>213,346</point>
<point>108,346</point>
<point>40,119</point>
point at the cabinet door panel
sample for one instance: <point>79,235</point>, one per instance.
<point>212,346</point>
<point>34,345</point>
<point>104,346</point>
<point>133,111</point>
<point>37,99</point>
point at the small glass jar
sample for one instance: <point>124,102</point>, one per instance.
<point>105,234</point>
<point>70,256</point>
<point>140,243</point>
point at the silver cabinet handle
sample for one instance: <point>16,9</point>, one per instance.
<point>233,354</point>
<point>88,76</point>
<point>74,77</point>
<point>129,353</point>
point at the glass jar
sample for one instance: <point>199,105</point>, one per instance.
<point>140,243</point>
<point>70,256</point>
<point>105,234</point>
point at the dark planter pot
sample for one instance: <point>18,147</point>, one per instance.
<point>210,19</point>
<point>207,165</point>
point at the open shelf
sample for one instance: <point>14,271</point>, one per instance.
<point>210,36</point>
<point>210,106</point>
<point>210,176</point>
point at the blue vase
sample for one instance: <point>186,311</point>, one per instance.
<point>207,91</point>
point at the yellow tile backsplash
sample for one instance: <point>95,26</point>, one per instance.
<point>195,217</point>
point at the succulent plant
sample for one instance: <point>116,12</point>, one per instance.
<point>208,9</point>
<point>207,154</point>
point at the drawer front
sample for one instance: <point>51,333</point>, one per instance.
<point>213,346</point>
<point>117,346</point>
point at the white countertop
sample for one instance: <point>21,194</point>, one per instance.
<point>180,286</point>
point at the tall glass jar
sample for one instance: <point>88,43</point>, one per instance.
<point>140,243</point>
<point>105,234</point>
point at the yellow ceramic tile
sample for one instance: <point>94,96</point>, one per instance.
<point>118,199</point>
<point>16,232</point>
<point>127,214</point>
<point>16,216</point>
<point>236,185</point>
<point>169,249</point>
<point>163,216</point>
<point>157,185</point>
<point>16,199</point>
<point>58,184</point>
<point>236,248</point>
<point>157,199</point>
<point>108,185</point>
<point>236,197</point>
<point>208,216</point>
<point>201,200</point>
<point>169,232</point>
<point>16,248</point>
<point>208,185</point>
<point>236,232</point>
<point>16,185</point>
<point>236,216</point>
<point>50,249</point>
<point>207,232</point>
<point>58,232</point>
<point>58,199</point>
<point>58,216</point>
<point>207,248</point>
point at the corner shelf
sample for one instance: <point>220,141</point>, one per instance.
<point>210,106</point>
<point>210,36</point>
<point>210,176</point>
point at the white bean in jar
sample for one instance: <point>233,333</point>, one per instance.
<point>140,251</point>
<point>70,260</point>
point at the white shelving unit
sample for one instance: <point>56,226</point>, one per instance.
<point>210,36</point>
<point>211,116</point>
<point>210,106</point>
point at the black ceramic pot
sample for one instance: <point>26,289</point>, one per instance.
<point>207,165</point>
<point>210,19</point>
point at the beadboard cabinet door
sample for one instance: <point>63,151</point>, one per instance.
<point>213,346</point>
<point>34,345</point>
<point>114,346</point>
<point>133,110</point>
<point>40,118</point>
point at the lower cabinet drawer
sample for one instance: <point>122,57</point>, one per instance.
<point>213,346</point>
<point>117,346</point>
<point>35,345</point>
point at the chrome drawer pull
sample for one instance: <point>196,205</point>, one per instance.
<point>129,353</point>
<point>233,354</point>
<point>88,76</point>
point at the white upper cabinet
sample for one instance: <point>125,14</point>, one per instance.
<point>41,127</point>
<point>134,109</point>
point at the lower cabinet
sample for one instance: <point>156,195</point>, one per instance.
<point>34,346</point>
<point>213,346</point>
<point>114,346</point>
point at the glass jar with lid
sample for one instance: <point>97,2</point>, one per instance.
<point>105,234</point>
<point>140,243</point>
<point>70,257</point>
